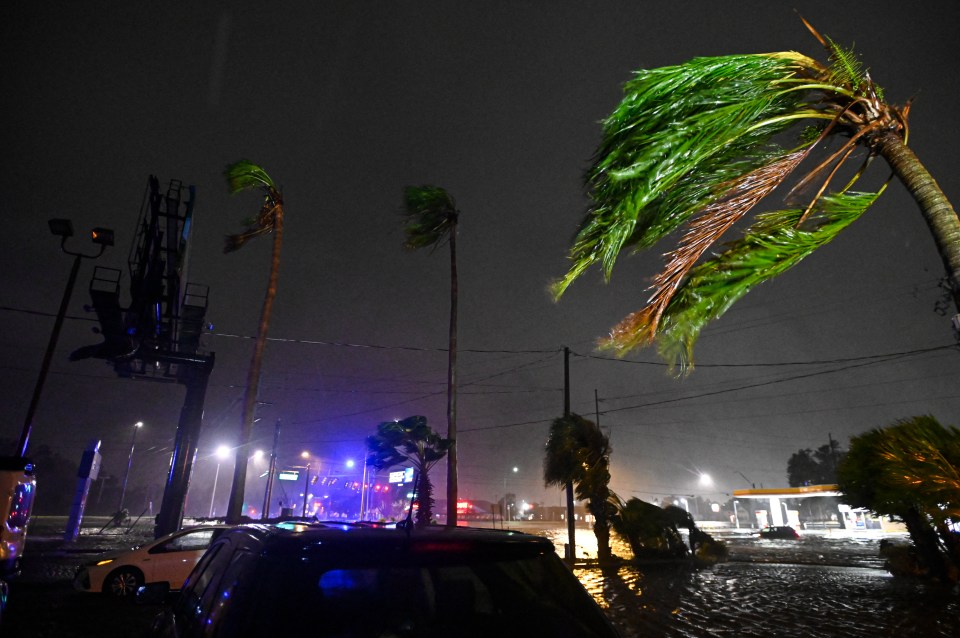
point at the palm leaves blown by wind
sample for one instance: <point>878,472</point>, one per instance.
<point>698,146</point>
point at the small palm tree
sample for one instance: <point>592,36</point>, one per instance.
<point>578,453</point>
<point>650,530</point>
<point>911,470</point>
<point>694,144</point>
<point>243,176</point>
<point>431,217</point>
<point>410,441</point>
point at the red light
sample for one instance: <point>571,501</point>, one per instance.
<point>463,506</point>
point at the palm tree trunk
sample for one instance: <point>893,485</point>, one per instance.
<point>235,505</point>
<point>934,205</point>
<point>925,541</point>
<point>452,384</point>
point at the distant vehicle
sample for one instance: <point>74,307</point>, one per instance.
<point>168,560</point>
<point>781,532</point>
<point>356,580</point>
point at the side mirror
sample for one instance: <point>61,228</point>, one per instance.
<point>155,594</point>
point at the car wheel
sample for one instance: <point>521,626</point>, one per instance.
<point>123,583</point>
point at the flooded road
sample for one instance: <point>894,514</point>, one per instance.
<point>818,586</point>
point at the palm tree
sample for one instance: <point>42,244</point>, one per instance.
<point>911,470</point>
<point>242,176</point>
<point>650,530</point>
<point>431,216</point>
<point>578,453</point>
<point>694,144</point>
<point>410,441</point>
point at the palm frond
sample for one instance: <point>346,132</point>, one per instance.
<point>706,230</point>
<point>771,246</point>
<point>429,212</point>
<point>679,136</point>
<point>245,175</point>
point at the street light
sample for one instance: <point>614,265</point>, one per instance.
<point>133,442</point>
<point>222,453</point>
<point>62,228</point>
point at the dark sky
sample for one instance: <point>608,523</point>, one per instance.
<point>344,103</point>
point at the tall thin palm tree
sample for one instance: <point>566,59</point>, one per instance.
<point>695,144</point>
<point>243,176</point>
<point>577,452</point>
<point>431,217</point>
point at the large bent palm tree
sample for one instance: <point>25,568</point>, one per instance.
<point>694,145</point>
<point>431,216</point>
<point>242,176</point>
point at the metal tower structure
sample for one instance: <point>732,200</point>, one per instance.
<point>157,336</point>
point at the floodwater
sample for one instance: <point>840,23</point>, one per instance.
<point>821,585</point>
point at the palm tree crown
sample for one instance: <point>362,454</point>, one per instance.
<point>694,145</point>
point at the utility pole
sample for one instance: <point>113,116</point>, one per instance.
<point>265,513</point>
<point>596,406</point>
<point>571,553</point>
<point>830,455</point>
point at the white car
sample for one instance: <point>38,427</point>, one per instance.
<point>168,559</point>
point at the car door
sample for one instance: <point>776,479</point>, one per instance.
<point>171,561</point>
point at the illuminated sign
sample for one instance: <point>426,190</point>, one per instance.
<point>402,476</point>
<point>288,475</point>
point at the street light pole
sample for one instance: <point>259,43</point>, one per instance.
<point>126,475</point>
<point>213,493</point>
<point>270,472</point>
<point>63,228</point>
<point>306,490</point>
<point>363,491</point>
<point>222,452</point>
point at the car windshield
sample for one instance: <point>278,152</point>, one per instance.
<point>516,597</point>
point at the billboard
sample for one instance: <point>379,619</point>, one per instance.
<point>402,476</point>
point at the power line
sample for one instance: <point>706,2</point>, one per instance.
<point>812,362</point>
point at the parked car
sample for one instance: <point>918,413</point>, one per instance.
<point>168,559</point>
<point>781,531</point>
<point>350,580</point>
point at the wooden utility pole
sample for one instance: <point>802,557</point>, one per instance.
<point>571,553</point>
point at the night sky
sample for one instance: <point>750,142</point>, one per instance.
<point>345,103</point>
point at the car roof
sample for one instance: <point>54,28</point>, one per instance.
<point>438,539</point>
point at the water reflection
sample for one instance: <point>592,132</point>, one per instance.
<point>818,586</point>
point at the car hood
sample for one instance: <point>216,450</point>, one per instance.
<point>111,555</point>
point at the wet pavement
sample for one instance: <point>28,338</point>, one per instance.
<point>822,585</point>
<point>818,586</point>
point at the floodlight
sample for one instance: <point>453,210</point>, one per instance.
<point>61,227</point>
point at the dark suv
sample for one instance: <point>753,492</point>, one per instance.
<point>352,581</point>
